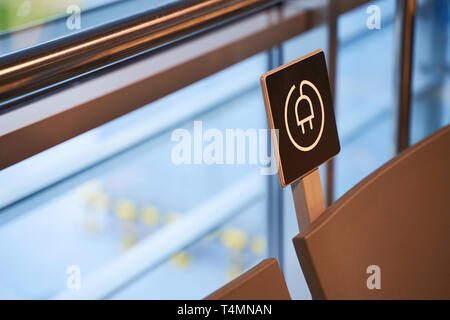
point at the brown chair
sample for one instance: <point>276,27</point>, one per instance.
<point>265,281</point>
<point>398,218</point>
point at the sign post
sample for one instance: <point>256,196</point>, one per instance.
<point>300,113</point>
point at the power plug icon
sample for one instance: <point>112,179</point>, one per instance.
<point>306,119</point>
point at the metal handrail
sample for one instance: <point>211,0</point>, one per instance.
<point>405,16</point>
<point>32,71</point>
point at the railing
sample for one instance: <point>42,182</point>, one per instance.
<point>30,72</point>
<point>67,113</point>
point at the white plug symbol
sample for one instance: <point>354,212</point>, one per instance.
<point>308,118</point>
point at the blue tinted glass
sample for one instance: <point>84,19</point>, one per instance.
<point>430,107</point>
<point>126,205</point>
<point>364,94</point>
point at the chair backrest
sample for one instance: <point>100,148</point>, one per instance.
<point>397,219</point>
<point>265,281</point>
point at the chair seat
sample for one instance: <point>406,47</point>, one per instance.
<point>265,281</point>
<point>398,219</point>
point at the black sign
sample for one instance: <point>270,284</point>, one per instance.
<point>299,104</point>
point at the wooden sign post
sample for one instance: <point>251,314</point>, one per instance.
<point>300,113</point>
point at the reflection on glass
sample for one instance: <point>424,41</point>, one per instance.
<point>15,14</point>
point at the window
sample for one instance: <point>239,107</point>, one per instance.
<point>364,94</point>
<point>430,107</point>
<point>120,205</point>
